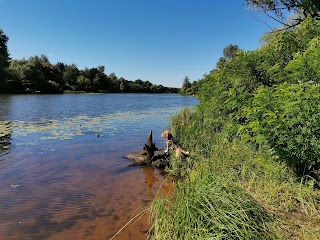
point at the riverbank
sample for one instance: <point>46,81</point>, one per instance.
<point>230,190</point>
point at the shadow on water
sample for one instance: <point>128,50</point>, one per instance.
<point>45,226</point>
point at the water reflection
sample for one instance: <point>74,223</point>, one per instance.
<point>5,107</point>
<point>150,179</point>
<point>5,134</point>
<point>5,128</point>
<point>5,142</point>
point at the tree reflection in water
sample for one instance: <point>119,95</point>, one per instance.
<point>5,126</point>
<point>150,179</point>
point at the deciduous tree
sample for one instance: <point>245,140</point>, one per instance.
<point>186,84</point>
<point>4,60</point>
<point>229,51</point>
<point>277,9</point>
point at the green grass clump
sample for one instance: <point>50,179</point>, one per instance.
<point>208,207</point>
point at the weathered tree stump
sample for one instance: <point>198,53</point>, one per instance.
<point>147,156</point>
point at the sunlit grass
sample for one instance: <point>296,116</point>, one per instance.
<point>206,206</point>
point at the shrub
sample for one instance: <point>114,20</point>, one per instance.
<point>286,117</point>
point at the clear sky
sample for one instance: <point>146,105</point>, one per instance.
<point>161,41</point>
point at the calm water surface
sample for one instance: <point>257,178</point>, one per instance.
<point>62,170</point>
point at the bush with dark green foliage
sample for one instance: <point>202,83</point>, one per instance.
<point>271,92</point>
<point>286,117</point>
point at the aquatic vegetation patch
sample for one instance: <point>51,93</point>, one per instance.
<point>69,128</point>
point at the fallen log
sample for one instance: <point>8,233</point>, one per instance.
<point>147,156</point>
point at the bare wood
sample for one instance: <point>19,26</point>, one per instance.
<point>144,157</point>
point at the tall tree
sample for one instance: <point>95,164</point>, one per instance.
<point>229,51</point>
<point>4,59</point>
<point>186,84</point>
<point>70,76</point>
<point>59,69</point>
<point>18,73</point>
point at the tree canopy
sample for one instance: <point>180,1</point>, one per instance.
<point>230,51</point>
<point>277,9</point>
<point>189,88</point>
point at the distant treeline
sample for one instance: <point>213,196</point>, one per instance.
<point>38,75</point>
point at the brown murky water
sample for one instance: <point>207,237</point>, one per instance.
<point>76,192</point>
<point>63,174</point>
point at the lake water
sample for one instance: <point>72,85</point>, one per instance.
<point>63,173</point>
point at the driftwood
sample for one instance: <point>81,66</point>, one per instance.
<point>148,157</point>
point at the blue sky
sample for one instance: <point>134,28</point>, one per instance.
<point>161,41</point>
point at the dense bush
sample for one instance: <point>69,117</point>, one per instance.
<point>287,117</point>
<point>258,107</point>
<point>272,93</point>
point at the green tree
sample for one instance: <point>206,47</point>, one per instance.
<point>4,60</point>
<point>221,62</point>
<point>83,83</point>
<point>193,89</point>
<point>186,84</point>
<point>19,71</point>
<point>40,73</point>
<point>59,69</point>
<point>70,76</point>
<point>113,77</point>
<point>49,75</point>
<point>279,8</point>
<point>230,51</point>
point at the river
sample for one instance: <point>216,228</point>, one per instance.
<point>63,173</point>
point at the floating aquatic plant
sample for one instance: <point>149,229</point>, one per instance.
<point>68,128</point>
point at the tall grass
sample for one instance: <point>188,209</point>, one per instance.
<point>206,206</point>
<point>229,190</point>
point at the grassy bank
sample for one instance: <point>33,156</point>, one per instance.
<point>255,143</point>
<point>228,189</point>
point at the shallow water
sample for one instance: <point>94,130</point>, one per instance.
<point>63,174</point>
